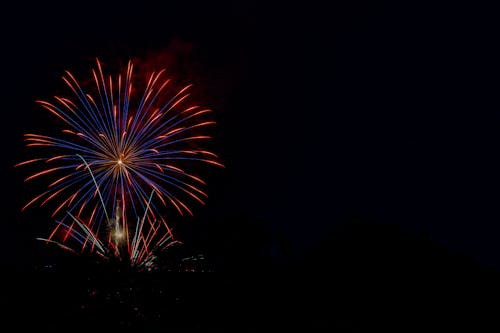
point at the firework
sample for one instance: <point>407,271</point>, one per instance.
<point>128,152</point>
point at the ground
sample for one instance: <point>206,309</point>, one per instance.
<point>362,279</point>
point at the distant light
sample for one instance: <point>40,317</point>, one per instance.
<point>118,234</point>
<point>119,161</point>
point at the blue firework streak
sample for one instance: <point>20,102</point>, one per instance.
<point>125,152</point>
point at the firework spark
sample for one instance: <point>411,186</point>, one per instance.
<point>128,151</point>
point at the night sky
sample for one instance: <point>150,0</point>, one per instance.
<point>360,139</point>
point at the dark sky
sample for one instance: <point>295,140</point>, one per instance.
<point>385,113</point>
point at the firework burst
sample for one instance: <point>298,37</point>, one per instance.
<point>129,150</point>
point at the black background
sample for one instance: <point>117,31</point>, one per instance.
<point>360,142</point>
